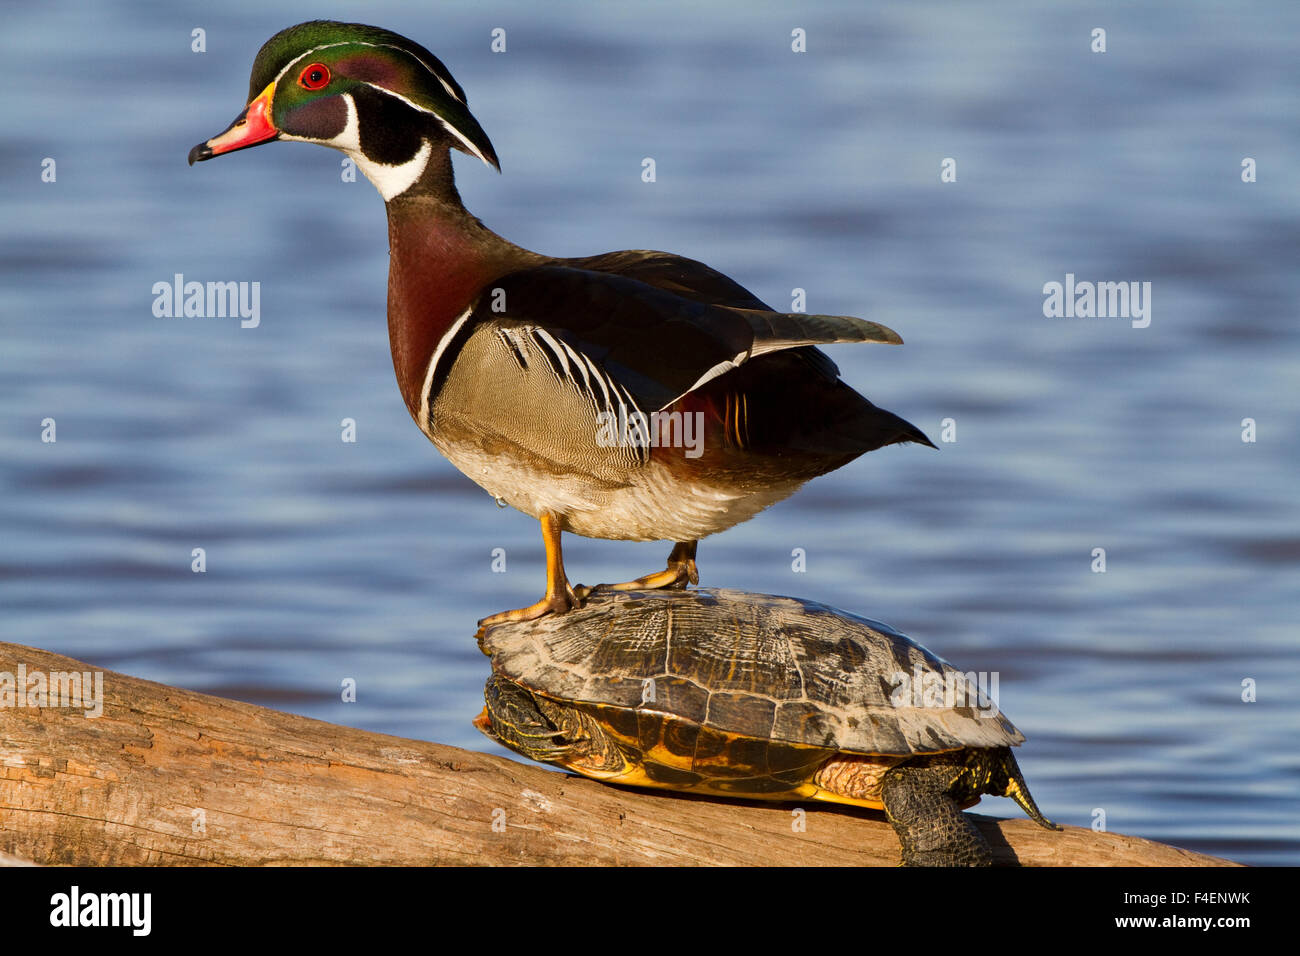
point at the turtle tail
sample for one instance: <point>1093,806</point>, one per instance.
<point>1012,784</point>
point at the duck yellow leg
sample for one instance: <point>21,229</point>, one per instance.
<point>681,571</point>
<point>559,596</point>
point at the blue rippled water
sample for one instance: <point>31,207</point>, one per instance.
<point>817,170</point>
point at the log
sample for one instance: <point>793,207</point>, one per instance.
<point>169,776</point>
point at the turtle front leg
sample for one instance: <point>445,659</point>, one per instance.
<point>559,596</point>
<point>680,572</point>
<point>929,823</point>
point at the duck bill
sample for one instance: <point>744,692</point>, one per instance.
<point>250,128</point>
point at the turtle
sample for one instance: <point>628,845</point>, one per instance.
<point>756,696</point>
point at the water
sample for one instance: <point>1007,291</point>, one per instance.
<point>372,560</point>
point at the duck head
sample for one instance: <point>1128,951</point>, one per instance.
<point>384,100</point>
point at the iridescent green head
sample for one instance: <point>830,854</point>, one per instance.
<point>385,101</point>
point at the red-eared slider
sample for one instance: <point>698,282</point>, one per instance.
<point>749,695</point>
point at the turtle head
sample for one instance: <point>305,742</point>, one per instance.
<point>384,100</point>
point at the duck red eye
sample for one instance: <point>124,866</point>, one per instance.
<point>314,77</point>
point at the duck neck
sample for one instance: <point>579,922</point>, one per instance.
<point>440,260</point>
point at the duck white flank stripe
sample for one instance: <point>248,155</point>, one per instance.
<point>425,397</point>
<point>589,371</point>
<point>549,341</point>
<point>586,377</point>
<point>719,369</point>
<point>614,399</point>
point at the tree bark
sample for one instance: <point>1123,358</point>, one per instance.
<point>169,776</point>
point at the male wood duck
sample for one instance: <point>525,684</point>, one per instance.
<point>540,377</point>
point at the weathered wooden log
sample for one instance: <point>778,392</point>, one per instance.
<point>169,776</point>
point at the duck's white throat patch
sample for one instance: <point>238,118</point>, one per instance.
<point>393,180</point>
<point>389,180</point>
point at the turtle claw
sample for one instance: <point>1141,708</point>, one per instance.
<point>550,754</point>
<point>537,747</point>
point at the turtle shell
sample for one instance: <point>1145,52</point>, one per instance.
<point>751,665</point>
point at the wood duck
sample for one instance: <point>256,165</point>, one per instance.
<point>631,395</point>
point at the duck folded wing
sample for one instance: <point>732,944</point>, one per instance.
<point>679,275</point>
<point>657,345</point>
